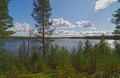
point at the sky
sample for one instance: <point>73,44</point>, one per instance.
<point>70,15</point>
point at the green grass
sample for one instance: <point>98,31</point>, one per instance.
<point>38,75</point>
<point>42,75</point>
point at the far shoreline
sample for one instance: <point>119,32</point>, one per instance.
<point>86,37</point>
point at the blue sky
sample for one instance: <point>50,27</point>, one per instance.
<point>70,10</point>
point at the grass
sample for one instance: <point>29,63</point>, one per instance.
<point>42,75</point>
<point>38,75</point>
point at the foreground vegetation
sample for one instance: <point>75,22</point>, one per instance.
<point>85,61</point>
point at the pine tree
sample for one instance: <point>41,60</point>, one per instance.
<point>5,19</point>
<point>87,47</point>
<point>22,55</point>
<point>116,20</point>
<point>41,14</point>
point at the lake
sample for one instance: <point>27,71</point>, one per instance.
<point>68,43</point>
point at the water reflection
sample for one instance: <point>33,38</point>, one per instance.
<point>110,43</point>
<point>117,46</point>
<point>68,43</point>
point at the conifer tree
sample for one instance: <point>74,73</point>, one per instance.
<point>116,20</point>
<point>87,47</point>
<point>41,14</point>
<point>5,19</point>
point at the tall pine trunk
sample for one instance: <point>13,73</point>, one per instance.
<point>41,14</point>
<point>43,40</point>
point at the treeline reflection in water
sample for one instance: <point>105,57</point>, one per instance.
<point>68,43</point>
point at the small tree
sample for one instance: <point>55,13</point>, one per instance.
<point>22,54</point>
<point>5,19</point>
<point>41,14</point>
<point>87,47</point>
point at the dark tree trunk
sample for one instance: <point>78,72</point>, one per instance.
<point>43,42</point>
<point>43,32</point>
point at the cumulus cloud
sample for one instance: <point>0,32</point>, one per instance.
<point>93,29</point>
<point>74,33</point>
<point>84,24</point>
<point>102,4</point>
<point>66,33</point>
<point>62,23</point>
<point>21,29</point>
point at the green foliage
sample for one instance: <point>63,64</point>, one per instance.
<point>116,21</point>
<point>23,58</point>
<point>5,19</point>
<point>41,12</point>
<point>85,61</point>
<point>64,57</point>
<point>87,48</point>
<point>117,47</point>
<point>53,56</point>
<point>7,63</point>
<point>37,63</point>
<point>116,18</point>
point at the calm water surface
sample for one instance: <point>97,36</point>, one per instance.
<point>68,43</point>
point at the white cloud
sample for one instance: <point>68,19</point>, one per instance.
<point>110,43</point>
<point>62,23</point>
<point>84,24</point>
<point>102,4</point>
<point>93,29</point>
<point>74,33</point>
<point>66,33</point>
<point>21,29</point>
